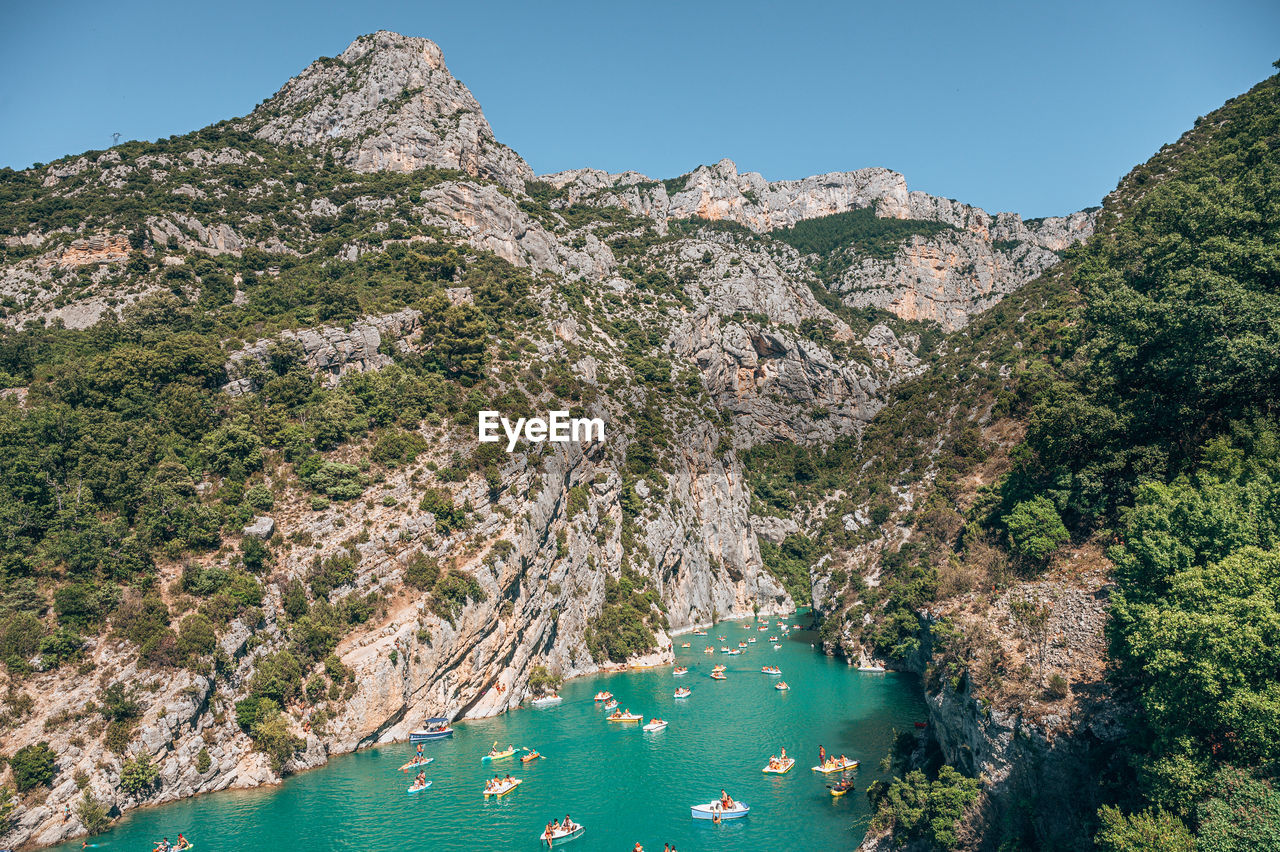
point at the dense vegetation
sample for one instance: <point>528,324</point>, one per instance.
<point>837,239</point>
<point>1151,428</point>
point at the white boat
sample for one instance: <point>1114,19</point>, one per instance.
<point>683,692</point>
<point>562,835</point>
<point>871,668</point>
<point>777,647</point>
<point>546,700</point>
<point>655,725</point>
<point>711,809</point>
<point>436,728</point>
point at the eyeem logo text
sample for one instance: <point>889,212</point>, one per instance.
<point>559,427</point>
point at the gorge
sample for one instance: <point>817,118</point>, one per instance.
<point>248,525</point>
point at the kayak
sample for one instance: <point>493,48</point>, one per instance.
<point>530,757</point>
<point>416,789</point>
<point>836,766</point>
<point>561,835</point>
<point>710,809</point>
<point>503,789</point>
<point>655,725</point>
<point>499,755</point>
<point>784,766</point>
<point>842,787</point>
<point>417,761</point>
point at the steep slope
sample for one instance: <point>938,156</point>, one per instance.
<point>247,520</point>
<point>1063,525</point>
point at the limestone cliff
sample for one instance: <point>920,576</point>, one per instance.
<point>693,341</point>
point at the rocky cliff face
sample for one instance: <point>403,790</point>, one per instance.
<point>724,328</point>
<point>388,102</point>
<point>944,279</point>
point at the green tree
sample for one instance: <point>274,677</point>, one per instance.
<point>1146,831</point>
<point>33,766</point>
<point>1036,530</point>
<point>139,775</point>
<point>93,814</point>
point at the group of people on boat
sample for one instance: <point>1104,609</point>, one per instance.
<point>776,762</point>
<point>557,827</point>
<point>497,783</point>
<point>165,846</point>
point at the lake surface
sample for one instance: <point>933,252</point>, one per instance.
<point>623,784</point>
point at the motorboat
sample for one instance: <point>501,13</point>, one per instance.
<point>546,700</point>
<point>683,692</point>
<point>436,728</point>
<point>781,686</point>
<point>771,670</point>
<point>655,725</point>
<point>603,696</point>
<point>680,670</point>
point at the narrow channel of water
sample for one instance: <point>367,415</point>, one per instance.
<point>623,784</point>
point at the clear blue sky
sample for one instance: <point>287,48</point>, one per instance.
<point>1026,106</point>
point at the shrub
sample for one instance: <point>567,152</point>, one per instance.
<point>1035,529</point>
<point>32,766</point>
<point>139,775</point>
<point>260,497</point>
<point>203,761</point>
<point>422,572</point>
<point>542,681</point>
<point>93,814</point>
<point>916,808</point>
<point>271,735</point>
<point>277,676</point>
<point>1147,831</point>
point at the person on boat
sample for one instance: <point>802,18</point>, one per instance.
<point>784,752</point>
<point>844,761</point>
<point>183,843</point>
<point>568,823</point>
<point>419,749</point>
<point>164,845</point>
<point>822,755</point>
<point>548,833</point>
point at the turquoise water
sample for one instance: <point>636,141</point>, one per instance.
<point>623,784</point>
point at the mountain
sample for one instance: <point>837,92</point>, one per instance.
<point>243,369</point>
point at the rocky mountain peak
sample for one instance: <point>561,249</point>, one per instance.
<point>388,102</point>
